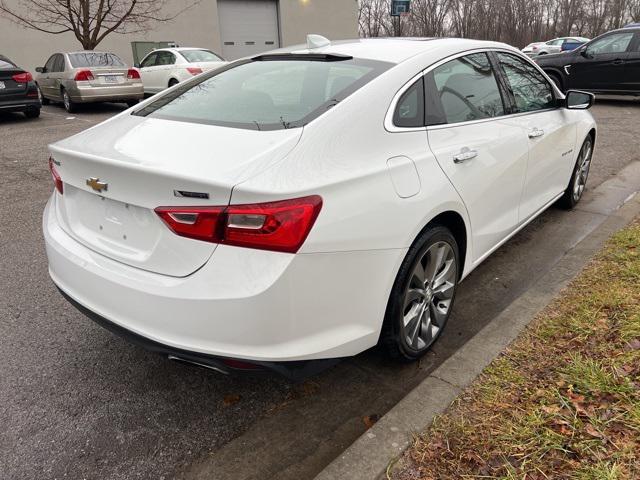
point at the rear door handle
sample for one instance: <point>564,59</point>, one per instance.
<point>464,155</point>
<point>536,132</point>
<point>617,61</point>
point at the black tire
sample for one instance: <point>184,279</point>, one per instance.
<point>69,105</point>
<point>555,78</point>
<point>395,337</point>
<point>32,113</point>
<point>573,193</point>
<point>173,82</point>
<point>43,99</point>
<point>131,103</point>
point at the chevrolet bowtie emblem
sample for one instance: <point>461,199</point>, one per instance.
<point>97,185</point>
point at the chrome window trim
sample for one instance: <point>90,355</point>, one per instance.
<point>392,128</point>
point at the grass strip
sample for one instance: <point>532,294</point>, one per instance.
<point>563,401</point>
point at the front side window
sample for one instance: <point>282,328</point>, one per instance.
<point>149,61</point>
<point>58,64</point>
<point>49,65</point>
<point>410,108</point>
<point>530,89</point>
<point>268,94</point>
<point>468,89</point>
<point>94,59</point>
<point>614,43</point>
<point>194,56</point>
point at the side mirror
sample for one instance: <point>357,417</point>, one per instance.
<point>578,100</point>
<point>585,53</point>
<point>137,64</point>
<point>40,69</point>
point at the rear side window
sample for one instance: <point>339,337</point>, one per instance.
<point>193,56</point>
<point>410,108</point>
<point>165,58</point>
<point>268,94</point>
<point>531,91</point>
<point>468,89</point>
<point>95,59</point>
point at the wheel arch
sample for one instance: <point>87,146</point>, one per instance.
<point>455,222</point>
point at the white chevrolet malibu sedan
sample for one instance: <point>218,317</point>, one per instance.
<point>312,202</point>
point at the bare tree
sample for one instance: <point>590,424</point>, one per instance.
<point>89,20</point>
<point>517,22</point>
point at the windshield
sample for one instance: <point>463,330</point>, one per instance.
<point>193,56</point>
<point>95,59</point>
<point>266,95</point>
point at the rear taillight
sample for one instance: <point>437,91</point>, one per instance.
<point>279,226</point>
<point>83,76</point>
<point>24,77</point>
<point>194,70</point>
<point>133,74</point>
<point>57,180</point>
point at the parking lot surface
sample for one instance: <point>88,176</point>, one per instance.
<point>78,402</point>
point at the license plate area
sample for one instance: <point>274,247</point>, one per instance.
<point>128,233</point>
<point>118,227</point>
<point>2,85</point>
<point>110,78</point>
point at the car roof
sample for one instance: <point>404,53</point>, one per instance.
<point>394,50</point>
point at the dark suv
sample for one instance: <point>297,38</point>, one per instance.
<point>18,91</point>
<point>608,64</point>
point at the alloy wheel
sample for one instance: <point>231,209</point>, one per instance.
<point>582,171</point>
<point>66,100</point>
<point>428,295</point>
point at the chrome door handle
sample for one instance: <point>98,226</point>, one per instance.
<point>464,155</point>
<point>536,132</point>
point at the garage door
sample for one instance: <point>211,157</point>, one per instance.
<point>247,27</point>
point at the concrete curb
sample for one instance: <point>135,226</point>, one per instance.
<point>370,456</point>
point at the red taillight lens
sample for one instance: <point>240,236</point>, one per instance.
<point>23,77</point>
<point>201,223</point>
<point>83,76</point>
<point>133,74</point>
<point>194,70</point>
<point>278,226</point>
<point>57,180</point>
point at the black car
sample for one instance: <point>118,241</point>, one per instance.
<point>18,91</point>
<point>608,64</point>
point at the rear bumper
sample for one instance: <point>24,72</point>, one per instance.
<point>245,304</point>
<point>19,105</point>
<point>292,370</point>
<point>109,93</point>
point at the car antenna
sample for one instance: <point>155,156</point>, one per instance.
<point>317,41</point>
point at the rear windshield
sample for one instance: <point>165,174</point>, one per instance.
<point>95,59</point>
<point>193,56</point>
<point>266,95</point>
<point>6,64</point>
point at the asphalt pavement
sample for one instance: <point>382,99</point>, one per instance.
<point>77,402</point>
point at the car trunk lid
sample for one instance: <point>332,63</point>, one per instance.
<point>8,86</point>
<point>117,173</point>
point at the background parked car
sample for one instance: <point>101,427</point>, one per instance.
<point>18,91</point>
<point>82,77</point>
<point>608,64</point>
<point>556,45</point>
<point>165,67</point>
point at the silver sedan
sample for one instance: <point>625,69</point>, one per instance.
<point>82,77</point>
